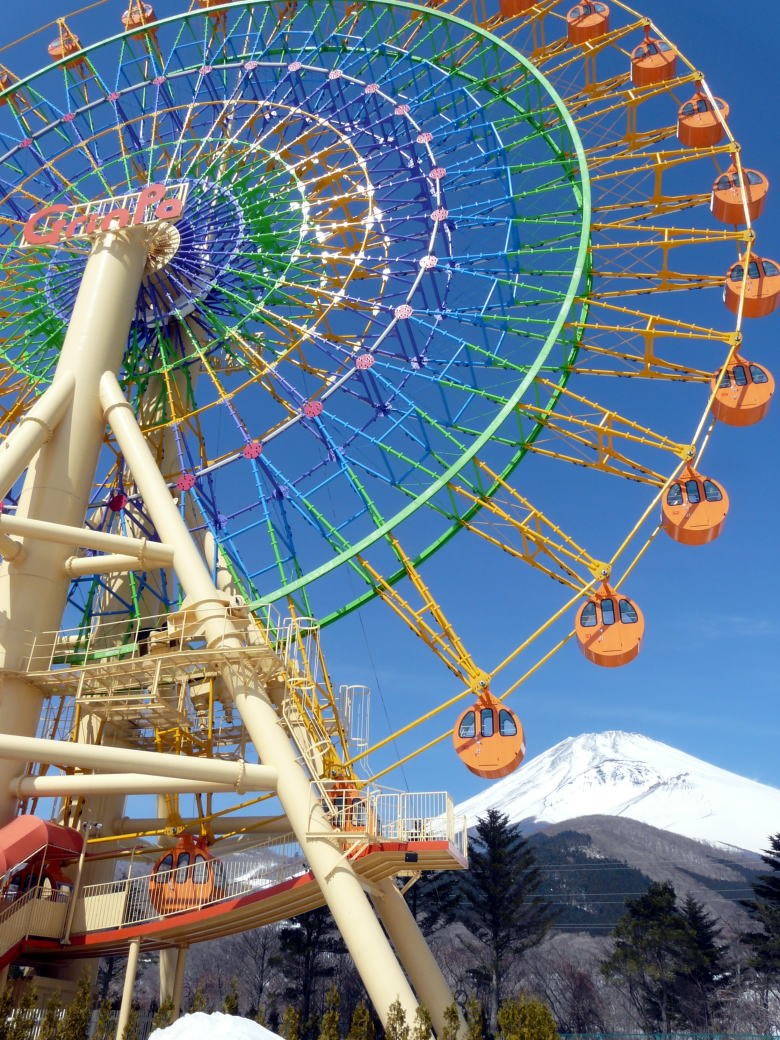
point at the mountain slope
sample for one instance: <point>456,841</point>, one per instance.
<point>629,775</point>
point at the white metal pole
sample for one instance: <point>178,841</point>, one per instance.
<point>78,784</point>
<point>127,989</point>
<point>33,586</point>
<point>415,954</point>
<point>363,935</point>
<point>241,776</point>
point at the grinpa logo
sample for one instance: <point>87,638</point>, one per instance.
<point>59,223</point>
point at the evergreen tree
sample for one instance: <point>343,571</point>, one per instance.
<point>198,1002</point>
<point>164,1014</point>
<point>329,1025</point>
<point>671,961</point>
<point>451,1023</point>
<point>75,1021</point>
<point>423,1027</point>
<point>261,1017</point>
<point>765,911</point>
<point>50,1026</point>
<point>525,1019</point>
<point>361,1027</point>
<point>703,973</point>
<point>22,1024</point>
<point>104,1028</point>
<point>475,1019</point>
<point>290,1026</point>
<point>396,1027</point>
<point>308,945</point>
<point>230,1003</point>
<point>130,1032</point>
<point>6,1007</point>
<point>499,904</point>
<point>434,899</point>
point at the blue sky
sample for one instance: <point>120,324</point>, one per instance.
<point>707,679</point>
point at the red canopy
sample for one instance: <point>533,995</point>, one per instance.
<point>26,835</point>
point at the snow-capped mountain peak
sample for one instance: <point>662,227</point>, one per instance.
<point>627,774</point>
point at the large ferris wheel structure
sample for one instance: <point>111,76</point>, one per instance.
<point>292,294</point>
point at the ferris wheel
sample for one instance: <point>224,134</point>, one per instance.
<point>397,257</point>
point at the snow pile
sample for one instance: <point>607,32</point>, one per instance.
<point>626,774</point>
<point>216,1026</point>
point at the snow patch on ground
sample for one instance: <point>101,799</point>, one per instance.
<point>216,1026</point>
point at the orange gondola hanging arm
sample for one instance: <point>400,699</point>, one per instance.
<point>609,628</point>
<point>489,738</point>
<point>694,508</point>
<point>744,393</point>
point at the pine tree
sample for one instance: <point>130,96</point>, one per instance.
<point>198,1002</point>
<point>499,902</point>
<point>475,1019</point>
<point>290,1026</point>
<point>6,1007</point>
<point>262,1017</point>
<point>104,1028</point>
<point>361,1027</point>
<point>451,1023</point>
<point>308,945</point>
<point>649,938</point>
<point>23,1023</point>
<point>230,1003</point>
<point>164,1014</point>
<point>703,974</point>
<point>75,1021</point>
<point>423,1027</point>
<point>765,911</point>
<point>525,1019</point>
<point>130,1032</point>
<point>329,1024</point>
<point>396,1027</point>
<point>50,1026</point>
<point>435,899</point>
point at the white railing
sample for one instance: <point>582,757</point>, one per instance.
<point>131,901</point>
<point>40,912</point>
<point>122,640</point>
<point>395,815</point>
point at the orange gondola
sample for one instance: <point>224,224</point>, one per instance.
<point>586,21</point>
<point>609,628</point>
<point>730,196</point>
<point>65,45</point>
<point>139,15</point>
<point>744,393</point>
<point>700,122</point>
<point>489,738</point>
<point>762,289</point>
<point>185,877</point>
<point>653,61</point>
<point>694,508</point>
<point>508,8</point>
<point>5,79</point>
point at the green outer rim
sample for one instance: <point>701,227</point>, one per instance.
<point>581,267</point>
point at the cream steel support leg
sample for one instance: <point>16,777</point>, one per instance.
<point>373,956</point>
<point>415,954</point>
<point>33,587</point>
<point>127,989</point>
<point>178,979</point>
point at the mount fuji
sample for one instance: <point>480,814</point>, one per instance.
<point>632,776</point>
